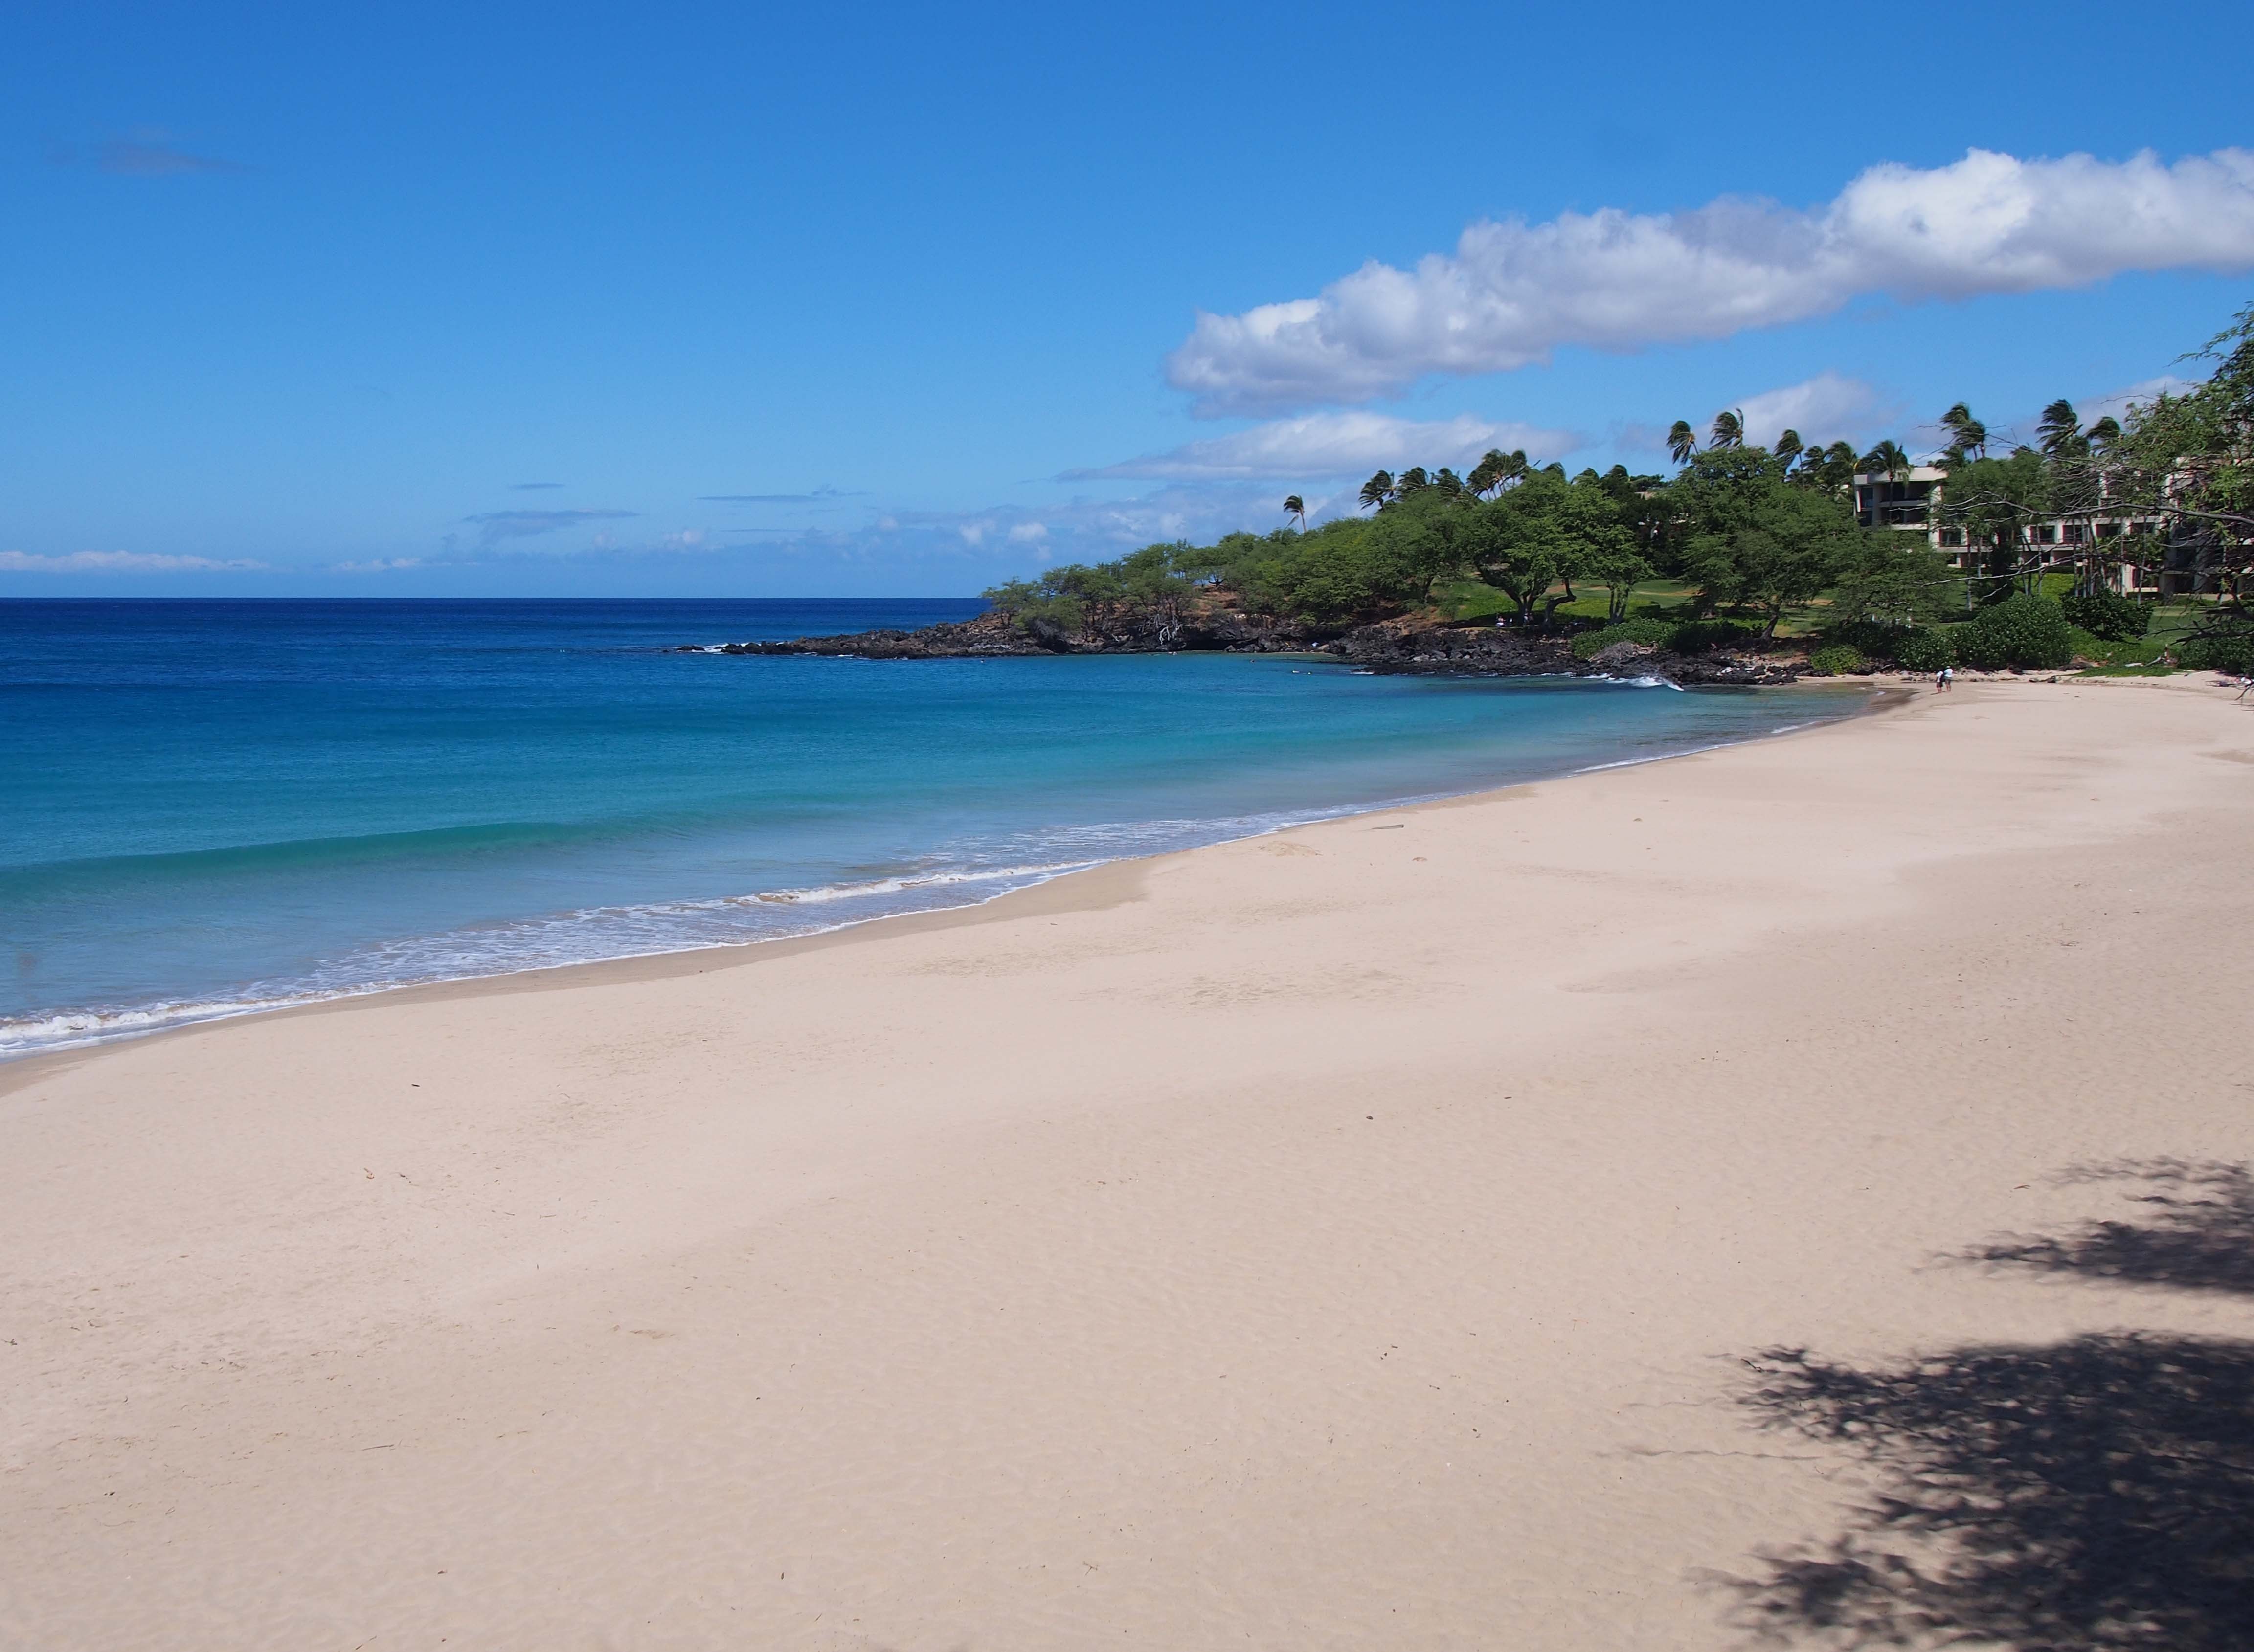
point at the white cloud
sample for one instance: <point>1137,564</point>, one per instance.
<point>379,565</point>
<point>1512,292</point>
<point>2117,402</point>
<point>1345,443</point>
<point>116,562</point>
<point>1028,532</point>
<point>1823,409</point>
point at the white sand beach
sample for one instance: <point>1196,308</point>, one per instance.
<point>1348,1238</point>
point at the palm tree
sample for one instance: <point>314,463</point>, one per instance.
<point>1447,481</point>
<point>1888,460</point>
<point>1412,480</point>
<point>1789,446</point>
<point>1968,438</point>
<point>2060,428</point>
<point>1681,441</point>
<point>1730,428</point>
<point>2105,433</point>
<point>1497,471</point>
<point>1377,489</point>
<point>1294,505</point>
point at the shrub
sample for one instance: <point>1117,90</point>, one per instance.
<point>1924,649</point>
<point>2109,616</point>
<point>2097,651</point>
<point>1697,636</point>
<point>2029,632</point>
<point>1837,660</point>
<point>1647,633</point>
<point>2231,651</point>
<point>1873,637</point>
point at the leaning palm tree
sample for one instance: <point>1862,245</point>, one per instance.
<point>1377,489</point>
<point>1887,460</point>
<point>2060,428</point>
<point>1789,445</point>
<point>1681,441</point>
<point>1294,505</point>
<point>1497,471</point>
<point>1730,428</point>
<point>1968,438</point>
<point>2105,433</point>
<point>1412,480</point>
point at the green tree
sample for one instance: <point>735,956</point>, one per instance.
<point>1754,541</point>
<point>1888,460</point>
<point>1681,441</point>
<point>1994,502</point>
<point>1421,538</point>
<point>1377,490</point>
<point>1294,505</point>
<point>1497,470</point>
<point>1620,568</point>
<point>1968,436</point>
<point>1890,578</point>
<point>2059,432</point>
<point>1729,429</point>
<point>1547,531</point>
<point>1830,470</point>
<point>2190,458</point>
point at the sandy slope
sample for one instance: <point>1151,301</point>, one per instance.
<point>1341,1239</point>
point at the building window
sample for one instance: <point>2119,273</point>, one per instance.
<point>1952,537</point>
<point>2074,531</point>
<point>2047,536</point>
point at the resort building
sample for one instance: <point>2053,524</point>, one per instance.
<point>2138,556</point>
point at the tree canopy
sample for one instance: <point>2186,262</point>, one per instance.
<point>1745,530</point>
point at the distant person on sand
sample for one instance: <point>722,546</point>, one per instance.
<point>1943,678</point>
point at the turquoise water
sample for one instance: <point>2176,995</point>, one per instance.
<point>205,807</point>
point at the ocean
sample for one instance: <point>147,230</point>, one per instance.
<point>211,807</point>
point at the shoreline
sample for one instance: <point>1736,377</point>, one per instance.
<point>1354,1235</point>
<point>1881,697</point>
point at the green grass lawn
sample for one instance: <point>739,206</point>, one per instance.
<point>1470,599</point>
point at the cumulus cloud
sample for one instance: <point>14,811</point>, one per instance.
<point>496,527</point>
<point>1823,409</point>
<point>1341,444</point>
<point>1512,292</point>
<point>117,562</point>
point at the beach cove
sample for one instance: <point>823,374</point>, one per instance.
<point>1354,1235</point>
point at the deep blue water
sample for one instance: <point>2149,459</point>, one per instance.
<point>210,805</point>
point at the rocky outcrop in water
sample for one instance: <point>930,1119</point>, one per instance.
<point>1406,647</point>
<point>1495,651</point>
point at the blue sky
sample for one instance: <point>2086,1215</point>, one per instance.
<point>691,299</point>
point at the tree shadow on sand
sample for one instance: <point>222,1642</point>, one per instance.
<point>2096,1493</point>
<point>2200,1236</point>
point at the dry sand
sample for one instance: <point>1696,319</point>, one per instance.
<point>1347,1238</point>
